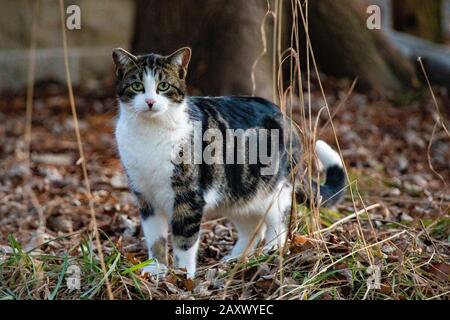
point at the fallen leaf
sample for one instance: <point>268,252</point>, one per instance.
<point>189,284</point>
<point>299,240</point>
<point>264,284</point>
<point>202,289</point>
<point>441,270</point>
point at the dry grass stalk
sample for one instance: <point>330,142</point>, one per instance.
<point>82,155</point>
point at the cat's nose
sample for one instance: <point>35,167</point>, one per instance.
<point>150,102</point>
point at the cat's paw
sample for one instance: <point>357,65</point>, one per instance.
<point>231,257</point>
<point>270,248</point>
<point>190,275</point>
<point>155,269</point>
<point>189,272</point>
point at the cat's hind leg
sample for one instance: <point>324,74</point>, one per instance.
<point>275,218</point>
<point>248,235</point>
<point>276,230</point>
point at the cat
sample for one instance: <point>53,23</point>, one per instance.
<point>155,128</point>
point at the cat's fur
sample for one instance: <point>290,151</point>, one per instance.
<point>177,195</point>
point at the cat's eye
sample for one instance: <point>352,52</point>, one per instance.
<point>163,86</point>
<point>137,86</point>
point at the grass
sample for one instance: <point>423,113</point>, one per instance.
<point>34,275</point>
<point>310,271</point>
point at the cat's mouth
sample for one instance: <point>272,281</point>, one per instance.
<point>149,110</point>
<point>152,113</point>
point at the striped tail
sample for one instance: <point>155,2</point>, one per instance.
<point>333,189</point>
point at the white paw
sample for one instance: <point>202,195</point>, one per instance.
<point>270,247</point>
<point>155,269</point>
<point>230,257</point>
<point>190,275</point>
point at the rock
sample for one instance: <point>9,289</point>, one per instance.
<point>4,251</point>
<point>419,180</point>
<point>405,217</point>
<point>412,138</point>
<point>61,223</point>
<point>412,189</point>
<point>402,163</point>
<point>53,174</point>
<point>392,192</point>
<point>17,171</point>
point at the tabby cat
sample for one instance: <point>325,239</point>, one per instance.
<point>156,127</point>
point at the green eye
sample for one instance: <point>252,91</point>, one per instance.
<point>163,86</point>
<point>137,86</point>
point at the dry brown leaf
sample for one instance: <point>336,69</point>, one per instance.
<point>188,284</point>
<point>299,240</point>
<point>441,270</point>
<point>171,278</point>
<point>264,284</point>
<point>132,258</point>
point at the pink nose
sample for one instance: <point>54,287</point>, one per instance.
<point>150,102</point>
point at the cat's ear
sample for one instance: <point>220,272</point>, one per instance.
<point>181,58</point>
<point>122,58</point>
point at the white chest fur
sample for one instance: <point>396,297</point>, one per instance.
<point>146,150</point>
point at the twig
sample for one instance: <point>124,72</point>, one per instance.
<point>419,59</point>
<point>439,120</point>
<point>429,238</point>
<point>340,104</point>
<point>81,153</point>
<point>264,50</point>
<point>316,69</point>
<point>347,218</point>
<point>28,120</point>
<point>30,83</point>
<point>439,295</point>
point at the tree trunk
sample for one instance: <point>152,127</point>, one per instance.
<point>226,40</point>
<point>345,47</point>
<point>436,58</point>
<point>225,37</point>
<point>420,18</point>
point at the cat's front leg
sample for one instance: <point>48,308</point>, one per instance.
<point>187,216</point>
<point>155,227</point>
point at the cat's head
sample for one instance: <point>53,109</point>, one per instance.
<point>151,84</point>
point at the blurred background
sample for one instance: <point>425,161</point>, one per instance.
<point>224,34</point>
<point>356,58</point>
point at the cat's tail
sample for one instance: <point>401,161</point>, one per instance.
<point>333,189</point>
